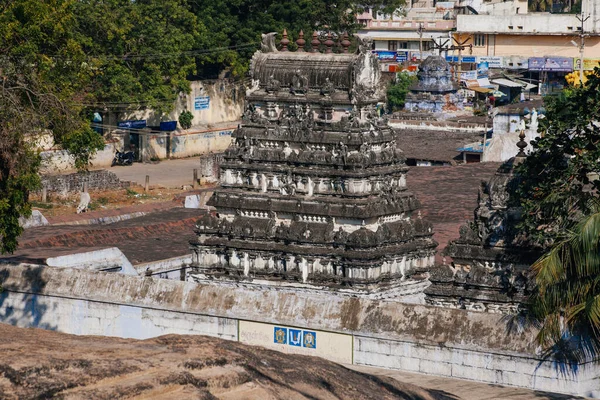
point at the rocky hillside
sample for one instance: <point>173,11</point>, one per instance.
<point>45,364</point>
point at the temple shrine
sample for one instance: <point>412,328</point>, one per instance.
<point>313,191</point>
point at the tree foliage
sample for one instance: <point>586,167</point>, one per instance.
<point>560,176</point>
<point>567,301</point>
<point>396,93</point>
<point>185,119</point>
<point>239,24</point>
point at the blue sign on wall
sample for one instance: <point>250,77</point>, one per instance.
<point>465,59</point>
<point>402,56</point>
<point>202,103</point>
<point>280,335</point>
<point>295,337</point>
<point>137,124</point>
<point>310,340</point>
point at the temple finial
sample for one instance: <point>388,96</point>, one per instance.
<point>521,144</point>
<point>345,42</point>
<point>301,42</point>
<point>284,41</point>
<point>329,44</point>
<point>315,43</point>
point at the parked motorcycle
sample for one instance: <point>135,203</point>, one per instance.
<point>123,158</point>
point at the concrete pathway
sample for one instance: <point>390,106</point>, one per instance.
<point>462,389</point>
<point>166,173</point>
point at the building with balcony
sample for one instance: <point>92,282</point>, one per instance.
<point>410,33</point>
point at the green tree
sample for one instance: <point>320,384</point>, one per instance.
<point>137,53</point>
<point>396,93</point>
<point>539,5</point>
<point>61,58</point>
<point>566,303</point>
<point>185,119</point>
<point>560,176</point>
<point>239,24</point>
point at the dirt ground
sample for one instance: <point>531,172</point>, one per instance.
<point>38,364</point>
<point>103,200</point>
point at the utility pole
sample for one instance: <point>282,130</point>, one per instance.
<point>460,46</point>
<point>581,46</point>
<point>442,45</point>
<point>420,32</point>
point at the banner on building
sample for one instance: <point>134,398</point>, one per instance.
<point>588,63</point>
<point>562,64</point>
<point>201,103</point>
<point>492,61</point>
<point>133,124</point>
<point>464,59</point>
<point>385,55</point>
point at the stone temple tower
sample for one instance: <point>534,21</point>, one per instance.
<point>313,191</point>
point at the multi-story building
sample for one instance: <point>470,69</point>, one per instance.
<point>544,45</point>
<point>411,33</point>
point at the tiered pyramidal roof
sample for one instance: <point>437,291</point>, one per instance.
<point>313,190</point>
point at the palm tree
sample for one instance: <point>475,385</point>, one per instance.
<point>566,302</point>
<point>540,5</point>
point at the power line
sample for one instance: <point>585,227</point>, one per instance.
<point>147,56</point>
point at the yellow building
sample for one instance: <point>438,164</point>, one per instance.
<point>506,29</point>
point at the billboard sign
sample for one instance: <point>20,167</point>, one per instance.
<point>588,63</point>
<point>492,61</point>
<point>557,64</point>
<point>384,55</point>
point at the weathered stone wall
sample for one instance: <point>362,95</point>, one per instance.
<point>430,340</point>
<point>73,183</point>
<point>56,160</point>
<point>222,101</point>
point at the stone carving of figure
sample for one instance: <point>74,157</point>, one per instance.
<point>341,236</point>
<point>299,83</point>
<point>343,152</point>
<point>273,85</point>
<point>287,150</point>
<point>365,44</point>
<point>311,186</point>
<point>267,44</point>
<point>327,88</point>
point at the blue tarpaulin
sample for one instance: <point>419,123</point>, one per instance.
<point>168,125</point>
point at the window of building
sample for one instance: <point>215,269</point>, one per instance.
<point>479,40</point>
<point>392,45</point>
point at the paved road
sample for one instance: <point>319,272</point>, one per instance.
<point>166,173</point>
<point>462,389</point>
